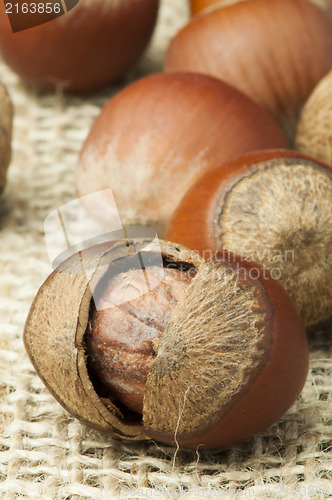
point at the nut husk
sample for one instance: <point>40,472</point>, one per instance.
<point>232,359</point>
<point>6,120</point>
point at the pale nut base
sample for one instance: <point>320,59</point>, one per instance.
<point>280,214</point>
<point>314,131</point>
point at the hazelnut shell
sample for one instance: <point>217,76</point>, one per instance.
<point>233,340</point>
<point>88,47</point>
<point>55,329</point>
<point>297,222</point>
<point>162,132</point>
<point>277,363</point>
<point>274,51</point>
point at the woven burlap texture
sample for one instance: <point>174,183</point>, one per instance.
<point>46,454</point>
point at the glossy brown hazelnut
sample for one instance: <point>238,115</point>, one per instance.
<point>203,6</point>
<point>155,137</point>
<point>204,355</point>
<point>6,120</point>
<point>314,130</point>
<point>274,208</point>
<point>87,47</point>
<point>275,52</point>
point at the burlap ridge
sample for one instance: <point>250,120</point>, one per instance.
<point>46,454</point>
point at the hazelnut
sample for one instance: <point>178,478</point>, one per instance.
<point>89,46</point>
<point>274,51</point>
<point>211,353</point>
<point>161,133</point>
<point>6,119</point>
<point>271,207</point>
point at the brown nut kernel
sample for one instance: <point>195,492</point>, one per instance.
<point>230,359</point>
<point>133,329</point>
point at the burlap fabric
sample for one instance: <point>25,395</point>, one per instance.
<point>46,454</point>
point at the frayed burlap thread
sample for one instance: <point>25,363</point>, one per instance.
<point>45,453</point>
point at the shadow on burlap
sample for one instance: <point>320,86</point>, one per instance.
<point>46,454</point>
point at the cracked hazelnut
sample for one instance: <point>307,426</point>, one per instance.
<point>210,354</point>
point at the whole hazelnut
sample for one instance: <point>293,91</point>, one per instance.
<point>89,46</point>
<point>275,52</point>
<point>155,137</point>
<point>274,207</point>
<point>190,352</point>
<point>6,121</point>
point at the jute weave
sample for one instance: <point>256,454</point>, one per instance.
<point>46,454</point>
